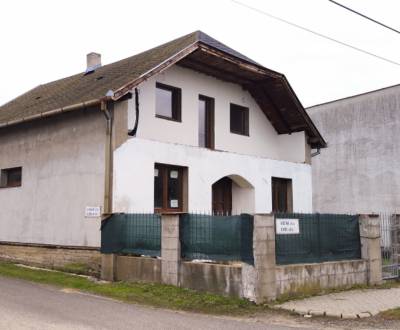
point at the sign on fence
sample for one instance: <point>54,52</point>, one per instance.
<point>287,226</point>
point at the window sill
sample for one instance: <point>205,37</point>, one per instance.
<point>242,134</point>
<point>168,211</point>
<point>168,118</point>
<point>6,187</point>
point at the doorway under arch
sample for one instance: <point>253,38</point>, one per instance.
<point>232,195</point>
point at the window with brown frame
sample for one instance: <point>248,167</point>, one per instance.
<point>11,177</point>
<point>282,196</point>
<point>168,188</point>
<point>168,102</point>
<point>206,122</point>
<point>239,119</point>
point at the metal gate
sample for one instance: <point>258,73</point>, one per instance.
<point>390,245</point>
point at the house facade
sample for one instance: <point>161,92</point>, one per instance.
<point>189,126</point>
<point>358,173</point>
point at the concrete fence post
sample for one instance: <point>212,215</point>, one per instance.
<point>170,249</point>
<point>264,258</point>
<point>108,267</point>
<point>370,236</point>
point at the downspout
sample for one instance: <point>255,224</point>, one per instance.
<point>108,160</point>
<point>135,127</point>
<point>313,154</point>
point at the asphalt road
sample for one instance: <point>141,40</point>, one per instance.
<point>25,305</point>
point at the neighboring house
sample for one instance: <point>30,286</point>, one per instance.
<point>188,126</point>
<point>360,170</point>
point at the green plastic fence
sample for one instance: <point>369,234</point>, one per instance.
<point>217,238</point>
<point>322,237</point>
<point>138,234</point>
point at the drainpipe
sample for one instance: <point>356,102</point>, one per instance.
<point>134,130</point>
<point>108,160</point>
<point>313,154</point>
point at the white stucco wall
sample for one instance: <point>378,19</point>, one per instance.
<point>134,175</point>
<point>63,172</point>
<point>263,140</point>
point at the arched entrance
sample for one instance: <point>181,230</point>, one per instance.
<point>232,194</point>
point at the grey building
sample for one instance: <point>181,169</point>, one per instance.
<point>359,172</point>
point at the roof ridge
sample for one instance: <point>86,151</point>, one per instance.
<point>353,96</point>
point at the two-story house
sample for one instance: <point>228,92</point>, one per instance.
<point>188,126</point>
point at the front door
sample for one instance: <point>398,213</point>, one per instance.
<point>222,197</point>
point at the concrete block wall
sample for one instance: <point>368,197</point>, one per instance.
<point>51,256</point>
<point>292,279</point>
<point>170,249</point>
<point>370,235</point>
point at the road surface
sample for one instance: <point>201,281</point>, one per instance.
<point>26,305</point>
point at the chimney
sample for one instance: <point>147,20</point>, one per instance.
<point>93,62</point>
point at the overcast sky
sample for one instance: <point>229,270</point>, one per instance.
<point>42,41</point>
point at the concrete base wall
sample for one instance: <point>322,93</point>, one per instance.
<point>51,256</point>
<point>138,269</point>
<point>232,280</point>
<point>220,279</point>
<point>291,279</point>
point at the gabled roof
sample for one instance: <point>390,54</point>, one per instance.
<point>197,51</point>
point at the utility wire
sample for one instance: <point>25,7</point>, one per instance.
<point>316,33</point>
<point>365,16</point>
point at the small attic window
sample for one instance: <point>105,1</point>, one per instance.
<point>38,97</point>
<point>99,78</point>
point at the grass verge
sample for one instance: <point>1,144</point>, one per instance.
<point>391,314</point>
<point>157,295</point>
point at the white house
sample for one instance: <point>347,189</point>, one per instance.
<point>188,126</point>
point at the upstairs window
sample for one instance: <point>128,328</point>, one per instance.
<point>206,122</point>
<point>11,177</point>
<point>168,102</point>
<point>239,119</point>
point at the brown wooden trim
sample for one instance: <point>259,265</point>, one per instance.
<point>240,62</point>
<point>157,69</point>
<point>163,170</point>
<point>168,118</point>
<point>245,124</point>
<point>176,102</point>
<point>277,185</point>
<point>210,120</point>
<point>218,72</point>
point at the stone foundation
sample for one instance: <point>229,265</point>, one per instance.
<point>52,256</point>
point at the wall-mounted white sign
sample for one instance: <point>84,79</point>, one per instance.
<point>287,226</point>
<point>174,203</point>
<point>173,174</point>
<point>92,211</point>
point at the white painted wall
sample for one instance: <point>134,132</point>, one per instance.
<point>62,161</point>
<point>134,175</point>
<point>263,140</point>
